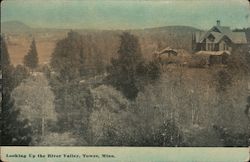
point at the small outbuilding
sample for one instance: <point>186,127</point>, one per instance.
<point>168,51</point>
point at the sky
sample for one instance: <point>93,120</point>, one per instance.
<point>126,14</point>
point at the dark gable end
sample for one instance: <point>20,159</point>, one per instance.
<point>211,37</point>
<point>235,37</point>
<point>226,39</point>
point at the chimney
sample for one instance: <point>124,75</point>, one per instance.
<point>218,22</point>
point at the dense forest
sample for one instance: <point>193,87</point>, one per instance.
<point>111,91</point>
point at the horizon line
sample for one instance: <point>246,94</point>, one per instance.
<point>145,28</point>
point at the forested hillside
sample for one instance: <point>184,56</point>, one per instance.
<point>106,88</point>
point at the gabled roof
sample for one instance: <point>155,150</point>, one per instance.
<point>239,37</point>
<point>217,36</point>
<point>223,29</point>
<point>218,32</point>
<point>167,50</point>
<point>200,36</point>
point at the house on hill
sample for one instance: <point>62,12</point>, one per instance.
<point>217,42</point>
<point>218,38</point>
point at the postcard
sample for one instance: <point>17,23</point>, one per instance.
<point>125,80</point>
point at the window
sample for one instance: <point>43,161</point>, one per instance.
<point>210,46</point>
<point>211,37</point>
<point>225,47</point>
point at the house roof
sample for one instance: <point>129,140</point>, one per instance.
<point>167,50</point>
<point>218,32</point>
<point>213,53</point>
<point>223,29</point>
<point>217,36</point>
<point>239,37</point>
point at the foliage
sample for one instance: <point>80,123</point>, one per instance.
<point>35,100</point>
<point>71,61</point>
<point>247,110</point>
<point>110,122</point>
<point>66,58</point>
<point>231,138</point>
<point>73,103</point>
<point>123,71</point>
<point>153,70</point>
<point>99,62</point>
<point>5,58</point>
<point>6,69</point>
<point>14,131</point>
<point>157,124</point>
<point>224,80</point>
<point>31,59</point>
<point>239,60</point>
<point>60,139</point>
<point>169,135</point>
<point>20,73</point>
<point>76,56</point>
<point>109,128</point>
<point>178,107</point>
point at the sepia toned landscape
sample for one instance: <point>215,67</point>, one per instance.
<point>170,85</point>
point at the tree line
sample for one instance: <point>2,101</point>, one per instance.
<point>115,104</point>
<point>14,131</point>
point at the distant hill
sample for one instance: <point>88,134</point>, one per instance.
<point>179,37</point>
<point>187,28</point>
<point>14,27</point>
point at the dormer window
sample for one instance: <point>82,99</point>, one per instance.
<point>211,38</point>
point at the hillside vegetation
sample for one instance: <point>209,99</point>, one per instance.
<point>105,88</point>
<point>18,40</point>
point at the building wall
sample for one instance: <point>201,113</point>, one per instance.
<point>225,46</point>
<point>221,46</point>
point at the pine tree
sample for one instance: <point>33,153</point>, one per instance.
<point>6,68</point>
<point>13,131</point>
<point>68,57</point>
<point>31,59</point>
<point>19,74</point>
<point>123,71</point>
<point>68,62</point>
<point>5,59</point>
